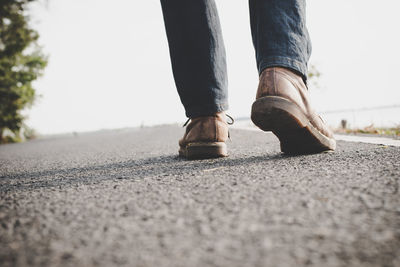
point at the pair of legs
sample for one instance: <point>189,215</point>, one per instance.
<point>197,51</point>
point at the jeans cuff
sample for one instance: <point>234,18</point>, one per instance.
<point>203,110</point>
<point>286,62</point>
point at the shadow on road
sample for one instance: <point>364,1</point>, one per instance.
<point>158,166</point>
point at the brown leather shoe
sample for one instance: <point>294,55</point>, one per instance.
<point>205,137</point>
<point>282,106</point>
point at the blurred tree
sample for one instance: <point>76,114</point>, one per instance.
<point>313,76</point>
<point>21,62</point>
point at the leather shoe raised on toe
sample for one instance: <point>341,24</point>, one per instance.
<point>205,137</point>
<point>282,106</point>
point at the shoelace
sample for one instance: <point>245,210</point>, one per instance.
<point>229,123</point>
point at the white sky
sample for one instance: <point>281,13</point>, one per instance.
<point>109,65</point>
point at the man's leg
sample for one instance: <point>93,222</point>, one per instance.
<point>198,62</point>
<point>197,54</point>
<point>280,36</point>
<point>282,104</point>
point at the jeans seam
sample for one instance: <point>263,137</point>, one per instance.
<point>202,110</point>
<point>282,61</point>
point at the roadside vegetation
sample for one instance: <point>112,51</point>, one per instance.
<point>21,63</point>
<point>371,129</point>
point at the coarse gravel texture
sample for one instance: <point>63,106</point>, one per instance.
<point>124,198</point>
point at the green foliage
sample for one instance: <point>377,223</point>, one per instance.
<point>313,76</point>
<point>21,62</point>
<point>393,131</point>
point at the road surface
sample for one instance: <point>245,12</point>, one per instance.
<point>124,198</point>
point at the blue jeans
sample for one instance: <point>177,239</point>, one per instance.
<point>197,51</point>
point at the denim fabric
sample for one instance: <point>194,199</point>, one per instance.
<point>280,36</point>
<point>197,49</point>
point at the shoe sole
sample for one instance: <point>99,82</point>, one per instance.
<point>293,129</point>
<point>204,150</point>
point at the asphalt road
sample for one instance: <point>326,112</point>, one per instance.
<point>124,198</point>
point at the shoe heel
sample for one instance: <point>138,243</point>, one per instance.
<point>293,129</point>
<point>273,113</point>
<point>205,150</point>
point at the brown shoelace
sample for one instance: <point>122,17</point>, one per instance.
<point>229,123</point>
